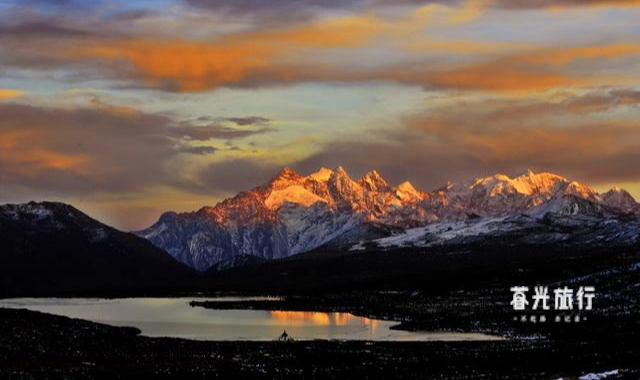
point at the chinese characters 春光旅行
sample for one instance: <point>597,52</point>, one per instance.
<point>563,298</point>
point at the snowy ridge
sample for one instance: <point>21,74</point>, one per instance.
<point>294,213</point>
<point>435,233</point>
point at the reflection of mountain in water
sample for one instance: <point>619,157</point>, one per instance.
<point>321,319</point>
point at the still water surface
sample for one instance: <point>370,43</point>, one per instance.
<point>174,317</point>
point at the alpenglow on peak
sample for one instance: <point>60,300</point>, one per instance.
<point>295,213</point>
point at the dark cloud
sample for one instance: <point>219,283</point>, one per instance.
<point>275,11</point>
<point>83,151</point>
<point>253,5</point>
<point>67,19</point>
<point>109,149</point>
<point>468,139</point>
<point>43,28</point>
<point>232,176</point>
<point>306,7</point>
<point>198,150</point>
<point>482,138</point>
<point>428,166</point>
<point>267,57</point>
<point>251,120</point>
<point>45,147</point>
<point>600,101</point>
<point>188,131</point>
<point>625,96</point>
<point>527,111</point>
<point>62,5</point>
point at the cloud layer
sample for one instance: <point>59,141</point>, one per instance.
<point>95,150</point>
<point>316,50</point>
<point>135,107</point>
<point>486,137</point>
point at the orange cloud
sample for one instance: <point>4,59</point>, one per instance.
<point>534,70</point>
<point>21,150</point>
<point>307,53</point>
<point>10,139</point>
<point>52,160</point>
<point>286,56</point>
<point>196,65</point>
<point>112,109</point>
<point>80,150</point>
<point>6,94</point>
<point>563,56</point>
<point>462,47</point>
<point>483,135</point>
<point>500,76</point>
<point>563,133</point>
<point>516,143</point>
<point>184,66</point>
<point>190,67</point>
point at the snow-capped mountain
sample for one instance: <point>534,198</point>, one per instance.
<point>294,213</point>
<point>620,199</point>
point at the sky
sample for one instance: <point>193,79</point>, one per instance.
<point>127,109</point>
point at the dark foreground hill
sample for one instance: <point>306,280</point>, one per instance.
<point>53,248</point>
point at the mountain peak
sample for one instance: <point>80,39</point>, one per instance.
<point>287,172</point>
<point>619,198</point>
<point>340,170</point>
<point>56,215</point>
<point>322,175</point>
<point>285,177</point>
<point>446,187</point>
<point>531,176</point>
<point>373,181</point>
<point>406,190</point>
<point>340,175</point>
<point>372,173</point>
<point>37,210</point>
<point>619,192</point>
<point>581,190</point>
<point>526,173</point>
<point>545,182</point>
<point>407,187</point>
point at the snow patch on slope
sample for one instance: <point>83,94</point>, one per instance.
<point>436,233</point>
<point>292,194</point>
<point>601,375</point>
<point>308,228</point>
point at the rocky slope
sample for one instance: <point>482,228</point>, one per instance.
<point>295,213</point>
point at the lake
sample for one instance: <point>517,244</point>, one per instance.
<point>174,317</point>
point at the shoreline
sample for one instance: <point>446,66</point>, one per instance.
<point>73,348</point>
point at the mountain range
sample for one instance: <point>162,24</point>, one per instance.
<point>53,248</point>
<point>294,213</point>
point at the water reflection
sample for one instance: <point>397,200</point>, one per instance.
<point>174,317</point>
<point>322,319</point>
